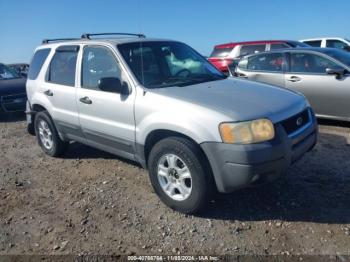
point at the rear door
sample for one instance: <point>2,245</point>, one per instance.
<point>266,68</point>
<point>106,116</point>
<point>327,95</point>
<point>60,89</point>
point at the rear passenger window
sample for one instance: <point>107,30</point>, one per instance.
<point>63,65</point>
<point>251,49</point>
<point>271,62</point>
<point>316,43</point>
<point>278,46</point>
<point>37,62</point>
<point>221,52</point>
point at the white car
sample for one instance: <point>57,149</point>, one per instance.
<point>333,42</point>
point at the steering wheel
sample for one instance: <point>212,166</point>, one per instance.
<point>182,71</point>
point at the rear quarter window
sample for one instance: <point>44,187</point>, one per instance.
<point>251,49</point>
<point>37,62</point>
<point>221,52</point>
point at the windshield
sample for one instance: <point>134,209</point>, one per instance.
<point>7,73</point>
<point>340,55</point>
<point>165,63</point>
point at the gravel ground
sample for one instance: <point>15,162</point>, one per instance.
<point>91,202</point>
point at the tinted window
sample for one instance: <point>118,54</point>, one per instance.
<point>37,62</point>
<point>98,62</point>
<point>62,67</point>
<point>297,44</point>
<point>316,43</point>
<point>251,49</point>
<point>221,52</point>
<point>278,46</point>
<point>336,44</point>
<point>310,63</point>
<point>272,62</point>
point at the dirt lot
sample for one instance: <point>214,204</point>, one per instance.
<point>90,202</point>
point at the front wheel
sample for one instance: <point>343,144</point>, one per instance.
<point>47,135</point>
<point>180,175</point>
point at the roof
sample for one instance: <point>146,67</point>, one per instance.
<point>233,44</point>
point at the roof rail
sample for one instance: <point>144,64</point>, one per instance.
<point>87,36</point>
<point>46,41</point>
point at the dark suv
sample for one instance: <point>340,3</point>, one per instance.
<point>12,90</point>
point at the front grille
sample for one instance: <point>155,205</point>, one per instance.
<point>296,122</point>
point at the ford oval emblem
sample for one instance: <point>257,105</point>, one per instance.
<point>299,121</point>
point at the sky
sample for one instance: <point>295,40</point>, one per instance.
<point>199,23</point>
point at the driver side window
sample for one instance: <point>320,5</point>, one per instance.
<point>310,63</point>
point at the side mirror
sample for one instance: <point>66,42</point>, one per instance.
<point>113,85</point>
<point>338,72</point>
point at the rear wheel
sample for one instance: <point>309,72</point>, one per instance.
<point>179,174</point>
<point>47,135</point>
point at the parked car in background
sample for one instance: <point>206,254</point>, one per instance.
<point>225,54</point>
<point>321,74</point>
<point>21,69</point>
<point>12,90</point>
<point>160,103</point>
<point>331,42</point>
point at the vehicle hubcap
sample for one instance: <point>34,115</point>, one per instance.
<point>45,134</point>
<point>174,177</point>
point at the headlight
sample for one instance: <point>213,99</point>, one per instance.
<point>247,132</point>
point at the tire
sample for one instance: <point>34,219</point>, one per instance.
<point>58,146</point>
<point>188,155</point>
<point>31,129</point>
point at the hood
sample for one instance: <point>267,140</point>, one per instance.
<point>240,100</point>
<point>12,86</point>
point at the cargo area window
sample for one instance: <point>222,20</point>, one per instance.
<point>37,63</point>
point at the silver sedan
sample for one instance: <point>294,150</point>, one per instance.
<point>321,74</point>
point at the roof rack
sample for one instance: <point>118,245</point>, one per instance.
<point>46,41</point>
<point>87,36</point>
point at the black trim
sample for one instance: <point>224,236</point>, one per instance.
<point>88,35</point>
<point>109,141</point>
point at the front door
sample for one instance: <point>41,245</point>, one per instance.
<point>328,95</point>
<point>106,116</point>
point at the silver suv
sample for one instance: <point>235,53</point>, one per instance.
<point>160,103</point>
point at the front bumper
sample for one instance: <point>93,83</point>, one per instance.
<point>13,103</point>
<point>235,166</point>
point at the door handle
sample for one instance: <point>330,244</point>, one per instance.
<point>48,92</point>
<point>294,79</point>
<point>85,100</point>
